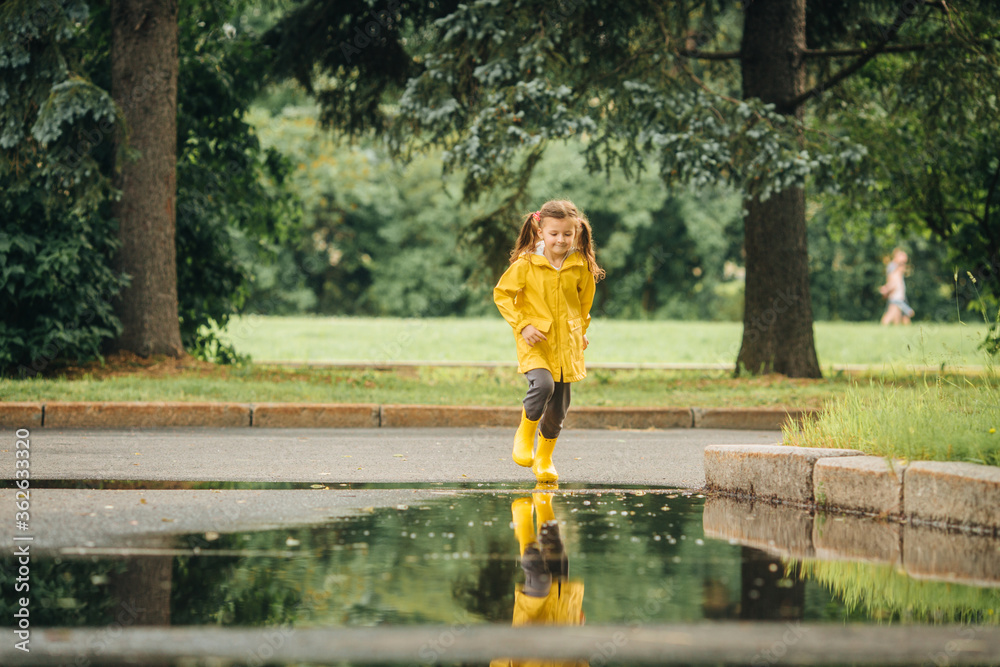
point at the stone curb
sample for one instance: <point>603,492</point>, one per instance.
<point>946,491</point>
<point>967,558</point>
<point>943,494</point>
<point>769,472</point>
<point>856,538</point>
<point>421,416</point>
<point>630,418</point>
<point>316,415</point>
<point>786,530</point>
<point>144,415</point>
<point>864,484</point>
<point>20,415</point>
<point>136,414</point>
<point>922,551</point>
<point>753,419</point>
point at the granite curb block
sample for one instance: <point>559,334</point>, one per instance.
<point>943,494</point>
<point>316,415</point>
<point>781,531</point>
<point>965,558</point>
<point>20,414</point>
<point>753,419</point>
<point>767,472</point>
<point>952,492</point>
<point>921,551</point>
<point>864,484</point>
<point>856,538</point>
<point>629,418</point>
<point>144,415</point>
<point>434,416</point>
<point>136,414</point>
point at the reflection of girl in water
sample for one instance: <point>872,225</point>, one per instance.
<point>547,597</point>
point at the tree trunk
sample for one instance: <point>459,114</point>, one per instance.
<point>764,596</point>
<point>777,315</point>
<point>141,591</point>
<point>144,85</point>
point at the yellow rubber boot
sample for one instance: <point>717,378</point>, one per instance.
<point>542,465</point>
<point>524,440</point>
<point>543,508</point>
<point>524,529</point>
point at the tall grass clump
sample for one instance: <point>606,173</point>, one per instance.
<point>943,420</point>
<point>881,591</point>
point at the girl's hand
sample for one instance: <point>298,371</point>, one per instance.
<point>586,341</point>
<point>532,335</point>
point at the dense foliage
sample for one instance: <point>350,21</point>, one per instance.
<point>381,239</point>
<point>233,203</point>
<point>495,85</point>
<point>930,120</point>
<point>58,241</point>
<point>522,103</point>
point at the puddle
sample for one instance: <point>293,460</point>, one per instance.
<point>631,557</point>
<point>156,485</point>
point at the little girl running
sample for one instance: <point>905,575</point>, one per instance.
<point>546,295</point>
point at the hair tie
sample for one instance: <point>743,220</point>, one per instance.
<point>536,216</point>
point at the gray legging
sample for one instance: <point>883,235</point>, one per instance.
<point>547,400</point>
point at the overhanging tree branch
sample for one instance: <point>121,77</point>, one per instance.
<point>835,53</point>
<point>701,84</point>
<point>889,48</point>
<point>904,12</point>
<point>710,55</point>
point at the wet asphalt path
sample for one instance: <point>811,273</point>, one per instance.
<point>400,461</point>
<point>671,458</point>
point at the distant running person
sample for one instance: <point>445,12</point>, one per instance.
<point>545,295</point>
<point>897,311</point>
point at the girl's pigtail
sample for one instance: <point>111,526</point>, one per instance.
<point>587,249</point>
<point>526,238</point>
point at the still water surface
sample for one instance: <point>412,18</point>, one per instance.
<point>459,557</point>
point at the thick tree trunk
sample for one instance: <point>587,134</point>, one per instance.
<point>777,316</point>
<point>144,85</point>
<point>142,591</point>
<point>764,596</point>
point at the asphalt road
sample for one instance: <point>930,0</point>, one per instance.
<point>401,462</point>
<point>671,458</point>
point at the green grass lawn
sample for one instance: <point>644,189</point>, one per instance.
<point>885,410</point>
<point>448,386</point>
<point>438,386</point>
<point>382,340</point>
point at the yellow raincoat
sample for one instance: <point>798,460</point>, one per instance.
<point>557,302</point>
<point>562,606</point>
